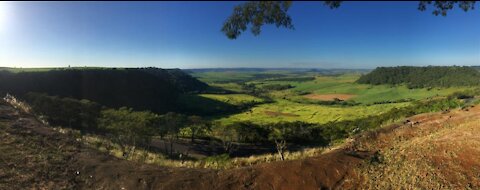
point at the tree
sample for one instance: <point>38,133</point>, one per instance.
<point>255,14</point>
<point>226,135</point>
<point>128,128</point>
<point>173,122</point>
<point>66,112</point>
<point>249,132</point>
<point>197,126</point>
<point>279,136</point>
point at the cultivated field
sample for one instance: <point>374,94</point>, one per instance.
<point>329,97</point>
<point>308,98</point>
<point>284,110</point>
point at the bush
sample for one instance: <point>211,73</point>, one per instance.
<point>218,162</point>
<point>66,112</point>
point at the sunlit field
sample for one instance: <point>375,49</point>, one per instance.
<point>293,104</point>
<point>286,111</point>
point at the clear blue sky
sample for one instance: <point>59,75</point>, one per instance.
<point>187,35</point>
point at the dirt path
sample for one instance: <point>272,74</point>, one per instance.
<point>35,156</point>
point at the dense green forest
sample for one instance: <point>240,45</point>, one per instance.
<point>423,77</point>
<point>151,89</point>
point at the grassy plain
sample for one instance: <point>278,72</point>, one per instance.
<point>365,94</point>
<point>292,105</point>
<point>284,110</point>
<point>233,99</point>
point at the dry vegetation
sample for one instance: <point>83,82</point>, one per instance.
<point>212,162</point>
<point>32,158</point>
<point>432,151</point>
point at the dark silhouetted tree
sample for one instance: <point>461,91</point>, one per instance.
<point>255,14</point>
<point>173,122</point>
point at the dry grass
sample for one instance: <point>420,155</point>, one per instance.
<point>218,162</point>
<point>32,161</point>
<point>17,103</point>
<point>441,152</point>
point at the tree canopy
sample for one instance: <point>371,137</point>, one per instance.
<point>255,14</point>
<point>420,77</point>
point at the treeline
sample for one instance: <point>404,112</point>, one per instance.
<point>130,129</point>
<point>423,77</point>
<point>141,89</point>
<point>334,102</point>
<point>136,128</point>
<point>124,126</point>
<point>252,89</point>
<point>276,87</point>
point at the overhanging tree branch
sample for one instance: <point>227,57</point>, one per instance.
<point>255,14</point>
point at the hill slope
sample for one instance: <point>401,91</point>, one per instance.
<point>430,151</point>
<point>420,77</point>
<point>142,89</point>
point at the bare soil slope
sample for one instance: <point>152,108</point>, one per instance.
<point>431,151</point>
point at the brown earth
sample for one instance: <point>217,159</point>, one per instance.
<point>329,97</point>
<point>431,151</point>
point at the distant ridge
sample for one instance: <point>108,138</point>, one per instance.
<point>266,70</point>
<point>139,88</point>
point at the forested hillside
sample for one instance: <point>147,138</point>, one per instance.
<point>420,77</point>
<point>142,89</point>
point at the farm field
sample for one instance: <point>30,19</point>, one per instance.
<point>304,99</point>
<point>362,93</point>
<point>287,111</point>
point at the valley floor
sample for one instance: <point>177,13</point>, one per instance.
<point>430,151</point>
